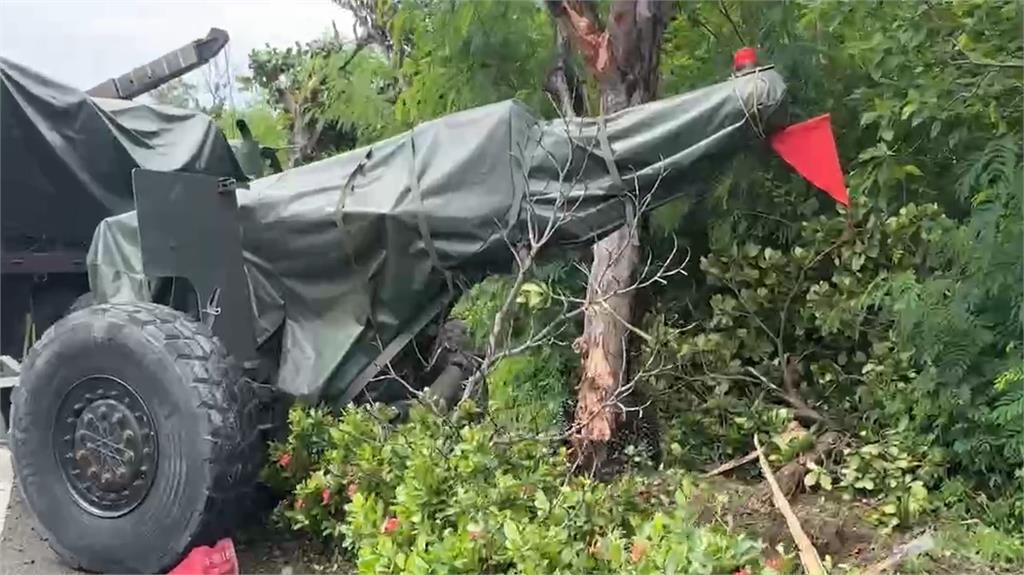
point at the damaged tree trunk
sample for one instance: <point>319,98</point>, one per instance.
<point>622,56</point>
<point>603,345</point>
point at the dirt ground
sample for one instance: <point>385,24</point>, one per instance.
<point>264,551</point>
<point>836,527</point>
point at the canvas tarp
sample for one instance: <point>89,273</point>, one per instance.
<point>345,253</point>
<point>66,159</point>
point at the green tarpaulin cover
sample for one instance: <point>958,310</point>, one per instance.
<point>66,159</point>
<point>345,253</point>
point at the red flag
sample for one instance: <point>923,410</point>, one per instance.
<point>810,147</point>
<point>217,560</point>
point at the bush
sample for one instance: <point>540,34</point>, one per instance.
<point>895,326</point>
<point>443,495</point>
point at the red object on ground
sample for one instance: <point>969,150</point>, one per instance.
<point>217,560</point>
<point>285,460</point>
<point>744,58</point>
<point>810,147</point>
<point>390,525</point>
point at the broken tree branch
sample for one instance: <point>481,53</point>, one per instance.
<point>732,464</point>
<point>809,557</point>
<point>725,12</point>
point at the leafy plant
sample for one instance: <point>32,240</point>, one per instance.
<point>896,477</point>
<point>440,495</point>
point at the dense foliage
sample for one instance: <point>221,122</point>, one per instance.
<point>440,496</point>
<point>896,322</point>
<point>900,318</point>
<point>435,58</point>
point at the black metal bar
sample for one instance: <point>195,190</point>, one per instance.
<point>164,69</point>
<point>55,262</point>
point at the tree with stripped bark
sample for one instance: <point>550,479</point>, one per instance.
<point>620,54</point>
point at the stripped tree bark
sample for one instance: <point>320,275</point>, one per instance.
<point>622,56</point>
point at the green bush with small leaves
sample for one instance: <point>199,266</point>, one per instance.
<point>462,495</point>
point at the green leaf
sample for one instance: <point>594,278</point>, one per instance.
<point>865,483</point>
<point>511,531</point>
<point>540,501</point>
<point>908,109</point>
<point>913,170</point>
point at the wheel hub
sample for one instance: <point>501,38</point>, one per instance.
<point>105,445</point>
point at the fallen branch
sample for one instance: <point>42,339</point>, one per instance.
<point>800,408</point>
<point>790,477</point>
<point>917,546</point>
<point>732,464</point>
<point>975,60</point>
<point>808,554</point>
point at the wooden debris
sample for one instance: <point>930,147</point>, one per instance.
<point>732,464</point>
<point>790,477</point>
<point>808,554</point>
<point>918,545</point>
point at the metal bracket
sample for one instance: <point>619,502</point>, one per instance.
<point>188,227</point>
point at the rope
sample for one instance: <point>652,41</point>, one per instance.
<point>346,191</point>
<point>613,170</point>
<point>755,121</point>
<point>428,242</point>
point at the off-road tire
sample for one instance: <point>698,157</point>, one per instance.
<point>204,416</point>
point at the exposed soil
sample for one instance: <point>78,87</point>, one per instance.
<point>268,550</point>
<point>837,528</point>
<point>261,551</point>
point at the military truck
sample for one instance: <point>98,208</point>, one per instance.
<point>42,261</point>
<point>140,420</point>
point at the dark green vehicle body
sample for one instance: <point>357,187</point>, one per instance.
<point>217,297</point>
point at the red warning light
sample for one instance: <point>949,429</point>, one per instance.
<point>743,59</point>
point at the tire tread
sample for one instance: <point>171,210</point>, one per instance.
<point>220,392</point>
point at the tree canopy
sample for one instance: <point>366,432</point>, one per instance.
<point>896,322</point>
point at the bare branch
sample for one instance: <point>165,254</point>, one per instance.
<point>976,61</point>
<point>725,12</point>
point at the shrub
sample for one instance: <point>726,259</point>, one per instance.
<point>443,495</point>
